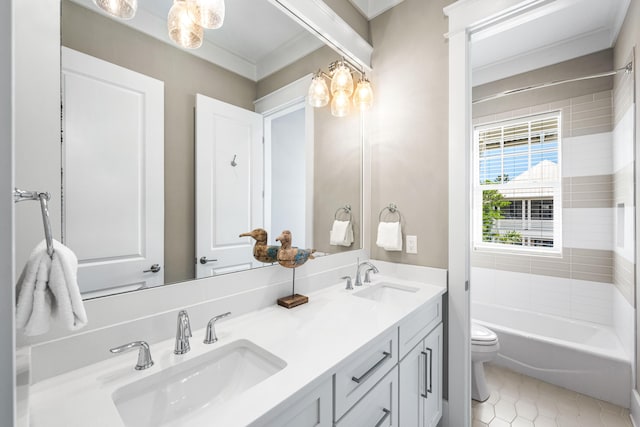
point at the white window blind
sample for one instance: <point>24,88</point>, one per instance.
<point>517,185</point>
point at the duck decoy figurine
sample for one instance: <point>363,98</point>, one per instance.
<point>292,257</point>
<point>261,251</point>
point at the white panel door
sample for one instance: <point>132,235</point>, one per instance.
<point>113,180</point>
<point>229,176</point>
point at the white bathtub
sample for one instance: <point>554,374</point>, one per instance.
<point>581,356</point>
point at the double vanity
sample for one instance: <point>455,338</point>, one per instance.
<point>371,356</point>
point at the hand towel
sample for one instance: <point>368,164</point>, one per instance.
<point>341,233</point>
<point>389,236</point>
<point>48,289</point>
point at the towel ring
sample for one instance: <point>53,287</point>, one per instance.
<point>21,196</point>
<point>345,209</point>
<point>393,209</point>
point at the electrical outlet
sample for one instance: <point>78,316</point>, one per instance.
<point>412,244</point>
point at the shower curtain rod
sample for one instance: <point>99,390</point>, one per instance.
<point>627,69</point>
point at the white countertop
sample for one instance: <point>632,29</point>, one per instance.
<point>313,339</point>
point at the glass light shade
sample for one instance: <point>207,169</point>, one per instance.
<point>341,81</point>
<point>340,104</point>
<point>318,95</point>
<point>363,97</point>
<point>208,13</point>
<point>182,29</point>
<point>123,9</point>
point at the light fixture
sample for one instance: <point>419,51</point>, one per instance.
<point>182,28</point>
<point>123,9</point>
<point>340,75</point>
<point>208,13</point>
<point>363,97</point>
<point>341,80</point>
<point>318,91</point>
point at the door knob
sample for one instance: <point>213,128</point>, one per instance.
<point>153,269</point>
<point>204,260</point>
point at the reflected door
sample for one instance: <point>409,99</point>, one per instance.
<point>113,185</point>
<point>229,191</point>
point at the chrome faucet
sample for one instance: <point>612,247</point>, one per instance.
<point>144,354</point>
<point>210,336</point>
<point>183,333</point>
<point>370,266</point>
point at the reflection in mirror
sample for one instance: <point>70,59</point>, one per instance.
<point>130,198</point>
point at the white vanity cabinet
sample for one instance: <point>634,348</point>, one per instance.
<point>312,409</point>
<point>420,377</point>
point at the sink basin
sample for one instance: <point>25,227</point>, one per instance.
<point>387,292</point>
<point>169,396</point>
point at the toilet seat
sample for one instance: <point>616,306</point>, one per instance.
<point>482,336</point>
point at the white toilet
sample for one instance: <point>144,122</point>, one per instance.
<point>484,347</point>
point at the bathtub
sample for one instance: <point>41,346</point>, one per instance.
<point>581,356</point>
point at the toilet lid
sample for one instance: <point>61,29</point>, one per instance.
<point>482,335</point>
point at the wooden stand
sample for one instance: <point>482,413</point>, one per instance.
<point>294,299</point>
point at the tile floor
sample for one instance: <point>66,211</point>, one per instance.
<point>518,401</point>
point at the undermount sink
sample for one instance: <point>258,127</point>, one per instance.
<point>387,292</point>
<point>166,397</point>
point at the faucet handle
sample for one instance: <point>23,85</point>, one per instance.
<point>210,336</point>
<point>183,333</point>
<point>144,353</point>
<point>349,286</point>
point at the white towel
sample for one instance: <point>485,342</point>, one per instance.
<point>389,236</point>
<point>48,288</point>
<point>341,233</point>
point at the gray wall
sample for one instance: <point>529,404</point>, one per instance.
<point>184,75</point>
<point>628,40</point>
<point>408,127</point>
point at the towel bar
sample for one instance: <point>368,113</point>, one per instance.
<point>21,196</point>
<point>393,209</point>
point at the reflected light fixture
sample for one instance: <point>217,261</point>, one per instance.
<point>183,30</point>
<point>123,9</point>
<point>207,13</point>
<point>340,75</point>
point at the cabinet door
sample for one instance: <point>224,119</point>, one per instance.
<point>313,409</point>
<point>432,359</point>
<point>421,383</point>
<point>411,387</point>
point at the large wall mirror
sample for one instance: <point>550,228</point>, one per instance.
<point>166,162</point>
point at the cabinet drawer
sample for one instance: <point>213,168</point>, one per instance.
<point>363,370</point>
<point>417,325</point>
<point>377,408</point>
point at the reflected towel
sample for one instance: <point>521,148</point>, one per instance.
<point>48,289</point>
<point>389,236</point>
<point>341,233</point>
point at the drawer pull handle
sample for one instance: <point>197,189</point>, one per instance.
<point>371,370</point>
<point>384,417</point>
<point>428,372</point>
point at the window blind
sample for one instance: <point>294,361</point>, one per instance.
<point>517,184</point>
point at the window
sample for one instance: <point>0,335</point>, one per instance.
<point>517,185</point>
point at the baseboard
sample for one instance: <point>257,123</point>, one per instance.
<point>444,421</point>
<point>635,408</point>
